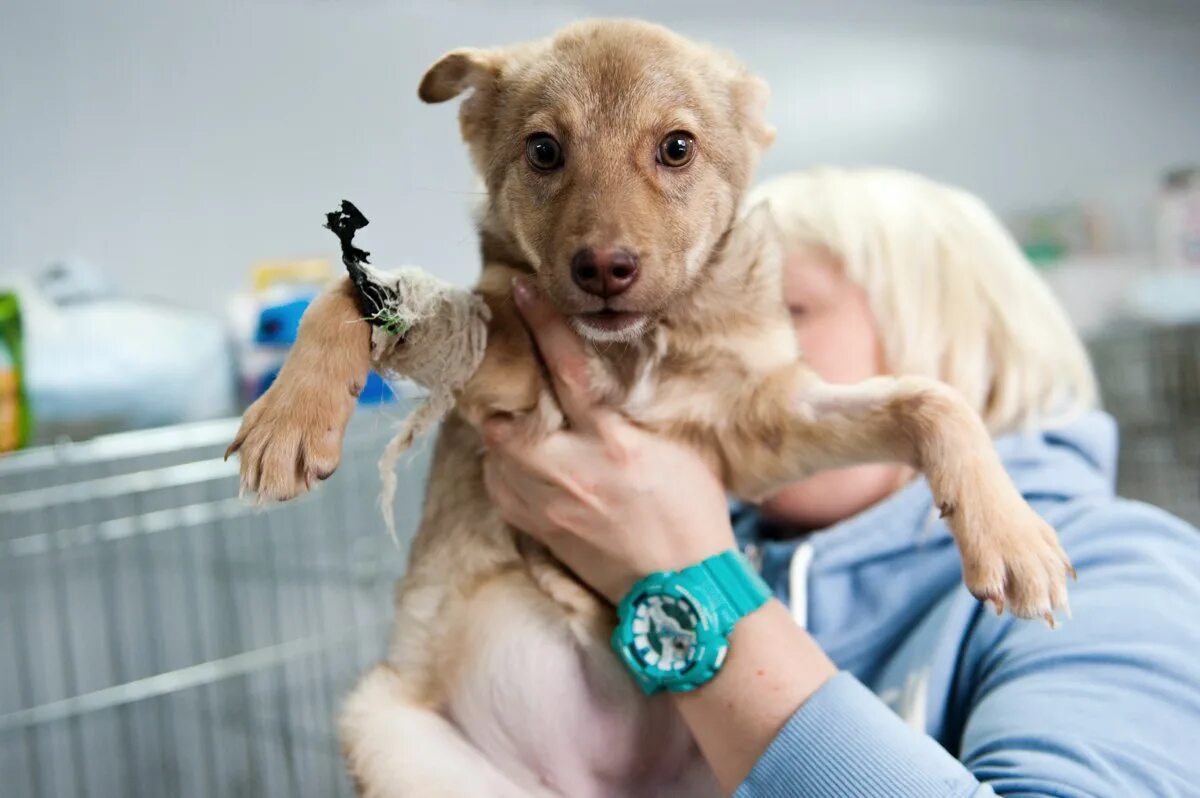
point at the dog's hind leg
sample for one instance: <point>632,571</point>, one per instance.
<point>395,748</point>
<point>793,425</point>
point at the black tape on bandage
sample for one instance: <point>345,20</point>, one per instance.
<point>372,297</point>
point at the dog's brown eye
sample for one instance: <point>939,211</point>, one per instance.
<point>543,152</point>
<point>677,149</point>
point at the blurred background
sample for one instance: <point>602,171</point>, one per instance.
<point>164,170</point>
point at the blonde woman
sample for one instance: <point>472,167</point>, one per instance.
<point>875,673</point>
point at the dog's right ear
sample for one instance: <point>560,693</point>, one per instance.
<point>457,71</point>
<point>477,71</point>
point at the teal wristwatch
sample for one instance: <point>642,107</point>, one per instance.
<point>673,626</point>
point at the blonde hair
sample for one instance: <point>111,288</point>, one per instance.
<point>953,295</point>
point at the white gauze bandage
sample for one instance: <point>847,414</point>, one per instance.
<point>435,335</point>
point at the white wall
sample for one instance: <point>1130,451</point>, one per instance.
<point>175,143</point>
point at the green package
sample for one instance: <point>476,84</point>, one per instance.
<point>16,421</point>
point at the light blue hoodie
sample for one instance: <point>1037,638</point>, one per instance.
<point>939,697</point>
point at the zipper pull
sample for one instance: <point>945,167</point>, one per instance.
<point>754,555</point>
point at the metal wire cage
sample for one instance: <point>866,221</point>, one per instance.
<point>160,636</point>
<point>1150,381</point>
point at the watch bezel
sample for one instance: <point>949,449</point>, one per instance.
<point>707,653</point>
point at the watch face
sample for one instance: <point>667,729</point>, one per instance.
<point>665,632</point>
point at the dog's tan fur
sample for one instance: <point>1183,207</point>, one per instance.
<point>714,362</point>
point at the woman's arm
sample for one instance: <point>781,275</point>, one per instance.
<point>773,667</point>
<point>1106,705</point>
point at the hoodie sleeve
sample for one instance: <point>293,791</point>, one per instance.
<point>1106,705</point>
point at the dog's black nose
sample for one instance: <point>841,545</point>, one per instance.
<point>604,272</point>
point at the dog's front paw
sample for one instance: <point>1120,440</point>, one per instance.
<point>291,437</point>
<point>1015,561</point>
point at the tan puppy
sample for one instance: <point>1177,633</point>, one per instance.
<point>615,155</point>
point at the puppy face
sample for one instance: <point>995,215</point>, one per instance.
<point>614,154</point>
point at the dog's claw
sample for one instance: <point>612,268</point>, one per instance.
<point>1019,567</point>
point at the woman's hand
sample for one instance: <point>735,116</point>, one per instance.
<point>611,501</point>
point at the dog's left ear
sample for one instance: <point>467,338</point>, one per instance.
<point>753,252</point>
<point>756,233</point>
<point>750,95</point>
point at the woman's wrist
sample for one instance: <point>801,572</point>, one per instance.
<point>772,668</point>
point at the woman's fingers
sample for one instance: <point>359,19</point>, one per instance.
<point>549,476</point>
<point>561,349</point>
<point>546,462</point>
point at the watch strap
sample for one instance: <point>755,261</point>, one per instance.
<point>734,586</point>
